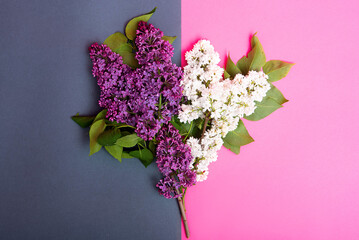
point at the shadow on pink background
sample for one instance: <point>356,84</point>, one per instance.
<point>300,178</point>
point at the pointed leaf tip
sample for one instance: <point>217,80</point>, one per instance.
<point>276,69</point>
<point>256,57</point>
<point>238,137</point>
<point>95,130</point>
<point>132,25</point>
<point>169,39</point>
<point>83,121</point>
<point>115,151</point>
<point>231,68</point>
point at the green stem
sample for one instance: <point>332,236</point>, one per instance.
<point>160,106</point>
<point>189,131</point>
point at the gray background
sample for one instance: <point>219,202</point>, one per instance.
<point>49,187</point>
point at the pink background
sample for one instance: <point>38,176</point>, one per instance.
<point>300,178</point>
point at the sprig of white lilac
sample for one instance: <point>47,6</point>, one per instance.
<point>220,101</point>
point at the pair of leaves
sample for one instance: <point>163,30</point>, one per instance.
<point>117,148</point>
<point>121,44</point>
<point>237,138</point>
<point>118,43</point>
<point>254,61</point>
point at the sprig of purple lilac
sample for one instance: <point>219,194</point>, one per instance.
<point>173,161</point>
<point>145,97</point>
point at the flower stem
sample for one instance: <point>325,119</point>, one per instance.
<point>180,200</point>
<point>183,200</point>
<point>204,126</point>
<point>183,213</point>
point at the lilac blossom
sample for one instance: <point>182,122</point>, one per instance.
<point>173,161</point>
<point>151,46</point>
<point>147,96</point>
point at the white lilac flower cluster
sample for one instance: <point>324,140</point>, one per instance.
<point>225,101</point>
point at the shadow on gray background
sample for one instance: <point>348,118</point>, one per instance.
<point>49,187</point>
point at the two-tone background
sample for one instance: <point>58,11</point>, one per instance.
<point>298,180</point>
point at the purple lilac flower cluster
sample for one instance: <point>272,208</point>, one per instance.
<point>151,46</point>
<point>147,96</point>
<point>173,161</point>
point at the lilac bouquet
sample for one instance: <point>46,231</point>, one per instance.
<point>155,110</point>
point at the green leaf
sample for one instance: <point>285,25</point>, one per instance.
<point>235,149</point>
<point>126,155</point>
<point>276,69</point>
<point>128,141</point>
<point>129,59</point>
<point>95,130</point>
<point>152,146</point>
<point>243,64</point>
<point>274,93</point>
<point>132,25</point>
<point>186,129</point>
<point>231,68</point>
<point>239,136</point>
<point>226,74</point>
<point>125,48</point>
<point>128,56</point>
<point>83,121</point>
<point>115,151</point>
<point>183,128</point>
<point>169,39</point>
<point>125,133</point>
<point>101,115</point>
<point>144,155</point>
<point>109,137</point>
<point>115,41</point>
<point>264,108</point>
<point>255,60</point>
